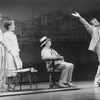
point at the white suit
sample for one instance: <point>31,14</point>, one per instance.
<point>94,31</point>
<point>66,68</point>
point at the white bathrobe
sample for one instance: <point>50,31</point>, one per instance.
<point>13,61</point>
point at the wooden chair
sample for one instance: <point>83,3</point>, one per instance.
<point>52,71</point>
<point>52,80</point>
<point>25,72</point>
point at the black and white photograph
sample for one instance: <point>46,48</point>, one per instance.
<point>49,49</point>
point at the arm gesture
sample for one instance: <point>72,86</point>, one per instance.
<point>76,14</point>
<point>83,21</point>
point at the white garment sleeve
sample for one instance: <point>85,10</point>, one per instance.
<point>46,54</point>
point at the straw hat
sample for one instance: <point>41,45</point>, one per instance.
<point>43,40</point>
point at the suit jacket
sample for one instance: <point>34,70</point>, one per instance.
<point>49,53</point>
<point>94,31</point>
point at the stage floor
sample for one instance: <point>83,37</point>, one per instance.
<point>84,91</point>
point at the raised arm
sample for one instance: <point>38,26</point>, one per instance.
<point>84,22</point>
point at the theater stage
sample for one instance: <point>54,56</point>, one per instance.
<point>84,91</point>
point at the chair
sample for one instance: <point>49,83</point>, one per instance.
<point>52,71</point>
<point>25,72</point>
<point>52,80</point>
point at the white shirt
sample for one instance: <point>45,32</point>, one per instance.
<point>49,53</point>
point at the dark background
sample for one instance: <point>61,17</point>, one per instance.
<point>74,51</point>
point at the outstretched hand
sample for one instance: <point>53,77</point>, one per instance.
<point>76,14</point>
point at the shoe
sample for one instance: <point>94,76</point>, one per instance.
<point>10,89</point>
<point>62,85</point>
<point>70,84</point>
<point>96,84</point>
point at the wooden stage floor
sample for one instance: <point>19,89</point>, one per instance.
<point>84,91</point>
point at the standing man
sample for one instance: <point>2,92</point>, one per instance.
<point>94,30</point>
<point>65,67</point>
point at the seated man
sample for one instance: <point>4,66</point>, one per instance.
<point>65,67</point>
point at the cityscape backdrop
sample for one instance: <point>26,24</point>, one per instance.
<point>52,18</point>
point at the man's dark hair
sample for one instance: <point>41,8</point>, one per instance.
<point>92,20</point>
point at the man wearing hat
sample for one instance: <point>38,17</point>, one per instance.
<point>65,67</point>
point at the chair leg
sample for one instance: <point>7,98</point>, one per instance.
<point>35,81</point>
<point>29,78</point>
<point>16,82</point>
<point>52,83</point>
<point>21,81</point>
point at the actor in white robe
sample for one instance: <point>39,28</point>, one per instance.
<point>13,61</point>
